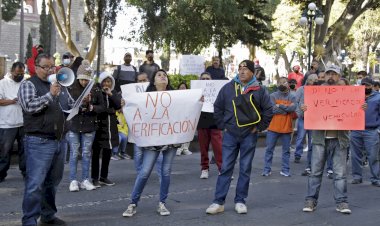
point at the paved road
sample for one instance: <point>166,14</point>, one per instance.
<point>274,200</point>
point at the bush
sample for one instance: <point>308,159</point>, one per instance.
<point>176,79</point>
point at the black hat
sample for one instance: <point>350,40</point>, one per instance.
<point>248,64</point>
<point>367,81</point>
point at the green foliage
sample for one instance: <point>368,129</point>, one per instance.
<point>9,9</point>
<point>176,79</point>
<point>45,28</point>
<point>29,46</point>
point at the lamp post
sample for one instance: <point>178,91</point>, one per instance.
<point>310,14</point>
<point>345,60</point>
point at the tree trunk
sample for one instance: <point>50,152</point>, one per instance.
<point>99,31</point>
<point>22,46</point>
<point>286,61</point>
<point>165,58</point>
<point>252,51</point>
<point>90,56</point>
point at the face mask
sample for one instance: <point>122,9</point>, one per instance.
<point>331,81</point>
<point>282,88</point>
<point>150,58</point>
<point>66,61</point>
<point>292,86</point>
<point>18,78</point>
<point>319,82</point>
<point>359,81</point>
<point>368,91</point>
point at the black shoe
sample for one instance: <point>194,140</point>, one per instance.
<point>2,179</point>
<point>297,160</point>
<point>212,161</point>
<point>376,183</point>
<point>356,181</point>
<point>96,183</point>
<point>306,172</point>
<point>54,221</point>
<point>105,181</point>
<point>330,174</point>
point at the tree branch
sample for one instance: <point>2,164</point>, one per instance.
<point>56,21</point>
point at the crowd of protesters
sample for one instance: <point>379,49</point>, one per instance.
<point>31,112</point>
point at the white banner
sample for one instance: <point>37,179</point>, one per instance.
<point>191,65</point>
<point>210,89</point>
<point>75,110</point>
<point>134,88</point>
<point>161,118</point>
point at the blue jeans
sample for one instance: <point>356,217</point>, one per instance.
<point>318,160</point>
<point>138,159</point>
<point>231,146</point>
<point>149,159</point>
<point>83,141</point>
<point>271,141</point>
<point>123,140</point>
<point>301,133</point>
<point>44,170</point>
<point>366,140</point>
<point>64,146</point>
<point>7,139</point>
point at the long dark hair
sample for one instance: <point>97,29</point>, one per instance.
<point>152,88</point>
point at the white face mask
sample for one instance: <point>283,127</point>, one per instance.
<point>66,61</point>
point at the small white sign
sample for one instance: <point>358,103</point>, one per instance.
<point>210,89</point>
<point>191,65</point>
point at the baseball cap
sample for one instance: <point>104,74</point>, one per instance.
<point>333,68</point>
<point>367,81</point>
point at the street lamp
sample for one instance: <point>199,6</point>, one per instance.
<point>309,14</point>
<point>344,59</point>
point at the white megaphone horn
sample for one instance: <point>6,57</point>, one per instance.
<point>65,77</point>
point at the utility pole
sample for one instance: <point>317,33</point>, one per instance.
<point>22,46</point>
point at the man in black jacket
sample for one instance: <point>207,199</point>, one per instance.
<point>239,137</point>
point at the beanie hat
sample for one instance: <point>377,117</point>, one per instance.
<point>248,64</point>
<point>84,70</point>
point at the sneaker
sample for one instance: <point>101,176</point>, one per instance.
<point>179,152</point>
<point>297,159</point>
<point>356,181</point>
<point>74,186</point>
<point>186,152</point>
<point>55,221</point>
<point>310,206</point>
<point>285,174</point>
<point>240,208</point>
<point>125,156</point>
<point>106,181</point>
<point>161,209</point>
<point>120,156</point>
<point>114,157</point>
<point>215,208</point>
<point>376,183</point>
<point>204,174</point>
<point>307,172</point>
<point>343,208</point>
<point>131,210</point>
<point>266,174</point>
<point>96,183</point>
<point>330,174</point>
<point>86,184</point>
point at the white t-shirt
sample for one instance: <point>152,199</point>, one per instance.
<point>10,115</point>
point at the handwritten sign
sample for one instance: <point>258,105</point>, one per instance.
<point>134,88</point>
<point>161,118</point>
<point>210,90</point>
<point>334,107</point>
<point>191,65</point>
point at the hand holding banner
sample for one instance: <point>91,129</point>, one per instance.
<point>74,111</point>
<point>210,90</point>
<point>161,118</point>
<point>334,107</point>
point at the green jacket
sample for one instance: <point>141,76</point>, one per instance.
<point>319,136</point>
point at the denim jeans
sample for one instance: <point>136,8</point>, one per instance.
<point>138,159</point>
<point>271,141</point>
<point>84,142</point>
<point>301,133</point>
<point>318,160</point>
<point>44,170</point>
<point>123,140</point>
<point>149,159</point>
<point>64,146</point>
<point>231,146</point>
<point>7,139</point>
<point>368,141</point>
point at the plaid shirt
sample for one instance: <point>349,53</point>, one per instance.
<point>31,103</point>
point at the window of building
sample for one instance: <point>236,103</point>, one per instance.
<point>33,32</point>
<point>78,35</point>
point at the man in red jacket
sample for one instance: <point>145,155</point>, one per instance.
<point>297,75</point>
<point>36,50</point>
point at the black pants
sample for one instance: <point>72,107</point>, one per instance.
<point>106,157</point>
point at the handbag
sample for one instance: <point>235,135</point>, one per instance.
<point>245,110</point>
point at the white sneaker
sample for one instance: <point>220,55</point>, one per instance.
<point>131,210</point>
<point>204,174</point>
<point>179,151</point>
<point>161,209</point>
<point>74,186</point>
<point>86,184</point>
<point>114,157</point>
<point>215,208</point>
<point>240,208</point>
<point>186,152</point>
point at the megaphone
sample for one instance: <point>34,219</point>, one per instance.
<point>65,77</point>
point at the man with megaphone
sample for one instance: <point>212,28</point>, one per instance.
<point>41,103</point>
